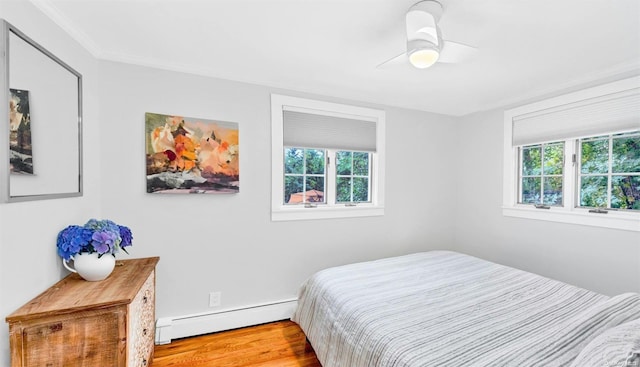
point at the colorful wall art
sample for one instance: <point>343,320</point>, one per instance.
<point>20,153</point>
<point>191,156</point>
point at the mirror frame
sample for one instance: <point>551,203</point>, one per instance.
<point>6,29</point>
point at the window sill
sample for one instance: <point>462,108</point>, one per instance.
<point>324,212</point>
<point>614,220</point>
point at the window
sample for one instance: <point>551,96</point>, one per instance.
<point>304,176</point>
<point>352,177</point>
<point>541,179</point>
<point>306,171</point>
<point>327,160</point>
<point>576,157</point>
<point>610,172</point>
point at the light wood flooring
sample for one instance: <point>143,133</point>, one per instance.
<point>277,344</point>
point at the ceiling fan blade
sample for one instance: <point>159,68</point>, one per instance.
<point>396,60</point>
<point>454,52</point>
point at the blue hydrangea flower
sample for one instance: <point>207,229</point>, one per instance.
<point>104,241</point>
<point>73,240</point>
<point>126,236</point>
<point>101,236</point>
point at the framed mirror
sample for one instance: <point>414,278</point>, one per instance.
<point>41,129</point>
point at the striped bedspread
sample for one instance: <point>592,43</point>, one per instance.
<point>443,308</point>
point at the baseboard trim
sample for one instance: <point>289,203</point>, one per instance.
<point>168,328</point>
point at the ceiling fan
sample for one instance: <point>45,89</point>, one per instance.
<point>425,45</point>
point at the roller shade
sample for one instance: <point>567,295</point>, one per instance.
<point>310,130</point>
<point>616,112</point>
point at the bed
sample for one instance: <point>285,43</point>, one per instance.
<point>444,308</point>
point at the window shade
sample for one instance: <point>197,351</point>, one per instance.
<point>616,112</point>
<point>310,130</point>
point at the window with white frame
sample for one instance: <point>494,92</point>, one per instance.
<point>353,176</point>
<point>541,174</point>
<point>327,159</point>
<point>304,175</point>
<point>576,157</point>
<point>609,172</point>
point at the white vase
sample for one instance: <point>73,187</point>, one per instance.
<point>91,267</point>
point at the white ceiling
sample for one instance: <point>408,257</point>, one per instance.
<point>526,48</point>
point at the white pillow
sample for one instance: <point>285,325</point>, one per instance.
<point>616,347</point>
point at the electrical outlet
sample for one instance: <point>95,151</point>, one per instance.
<point>215,299</point>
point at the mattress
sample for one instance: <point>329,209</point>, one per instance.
<point>444,308</point>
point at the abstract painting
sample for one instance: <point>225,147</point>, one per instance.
<point>20,152</point>
<point>188,155</point>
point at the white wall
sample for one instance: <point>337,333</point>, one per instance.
<point>227,242</point>
<point>603,260</point>
<point>28,260</point>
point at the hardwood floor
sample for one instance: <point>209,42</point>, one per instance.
<point>277,344</point>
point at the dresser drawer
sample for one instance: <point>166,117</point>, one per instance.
<point>142,321</point>
<point>83,340</point>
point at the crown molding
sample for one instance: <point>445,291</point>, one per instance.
<point>68,26</point>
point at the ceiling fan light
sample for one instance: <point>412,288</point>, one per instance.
<point>423,58</point>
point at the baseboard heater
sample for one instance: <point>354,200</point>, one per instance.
<point>168,328</point>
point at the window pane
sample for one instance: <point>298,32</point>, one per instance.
<point>595,156</point>
<point>314,189</point>
<point>625,192</point>
<point>626,154</point>
<point>360,164</point>
<point>315,161</point>
<point>360,189</point>
<point>293,160</point>
<point>593,191</point>
<point>343,163</point>
<point>531,190</point>
<point>293,189</point>
<point>343,187</point>
<point>531,163</point>
<point>553,159</point>
<point>552,191</point>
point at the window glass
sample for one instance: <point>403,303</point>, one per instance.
<point>626,153</point>
<point>552,191</point>
<point>595,155</point>
<point>360,189</point>
<point>553,159</point>
<point>344,163</point>
<point>531,187</point>
<point>361,163</point>
<point>294,160</point>
<point>531,160</point>
<point>593,191</point>
<point>626,192</point>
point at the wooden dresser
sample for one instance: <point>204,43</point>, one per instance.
<point>77,323</point>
